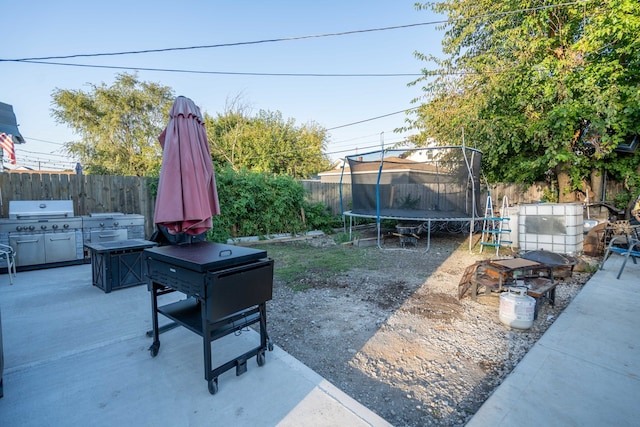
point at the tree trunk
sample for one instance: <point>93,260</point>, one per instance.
<point>597,186</point>
<point>565,195</point>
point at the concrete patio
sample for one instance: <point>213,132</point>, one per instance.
<point>77,356</point>
<point>585,370</point>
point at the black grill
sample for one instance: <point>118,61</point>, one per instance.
<point>226,288</point>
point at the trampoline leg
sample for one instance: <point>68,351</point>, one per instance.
<point>350,228</point>
<point>471,230</point>
<point>428,234</point>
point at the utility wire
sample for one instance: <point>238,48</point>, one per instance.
<point>227,73</point>
<point>40,60</point>
<point>373,118</point>
<point>262,74</point>
<point>364,147</point>
<point>283,39</point>
<point>44,140</point>
<point>211,46</point>
<point>42,153</point>
<point>333,128</point>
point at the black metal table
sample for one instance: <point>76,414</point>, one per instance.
<point>499,274</point>
<point>226,289</point>
<point>118,264</point>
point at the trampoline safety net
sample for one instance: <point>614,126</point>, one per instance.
<point>425,183</point>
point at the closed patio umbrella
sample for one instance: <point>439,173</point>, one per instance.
<point>187,196</point>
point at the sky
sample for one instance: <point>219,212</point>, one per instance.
<point>44,28</point>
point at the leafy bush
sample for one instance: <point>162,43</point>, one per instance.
<point>258,204</point>
<point>318,217</point>
<point>621,200</point>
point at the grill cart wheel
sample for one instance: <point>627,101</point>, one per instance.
<point>213,386</point>
<point>270,345</point>
<point>155,347</point>
<point>260,358</point>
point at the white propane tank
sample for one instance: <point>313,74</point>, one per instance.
<point>517,309</point>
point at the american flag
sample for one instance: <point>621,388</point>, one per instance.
<point>6,143</point>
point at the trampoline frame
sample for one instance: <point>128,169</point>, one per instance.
<point>428,219</point>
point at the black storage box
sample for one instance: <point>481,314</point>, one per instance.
<point>118,264</point>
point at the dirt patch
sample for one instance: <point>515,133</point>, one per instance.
<point>397,339</point>
<point>435,306</point>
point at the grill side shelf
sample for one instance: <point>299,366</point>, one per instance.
<point>187,313</point>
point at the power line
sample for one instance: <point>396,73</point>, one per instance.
<point>339,145</point>
<point>224,73</point>
<point>373,118</point>
<point>328,129</point>
<point>283,39</point>
<point>211,46</point>
<point>44,140</point>
<point>365,147</point>
<point>20,150</point>
<point>42,157</point>
<point>263,74</point>
<point>41,60</point>
<point>47,164</point>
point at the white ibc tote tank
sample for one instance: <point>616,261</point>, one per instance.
<point>517,309</point>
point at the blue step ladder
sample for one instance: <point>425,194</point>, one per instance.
<point>496,230</point>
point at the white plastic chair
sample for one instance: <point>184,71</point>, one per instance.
<point>7,253</point>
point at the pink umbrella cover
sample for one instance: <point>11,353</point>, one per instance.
<point>187,195</point>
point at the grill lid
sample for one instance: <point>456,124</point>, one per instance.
<point>204,256</point>
<point>34,209</point>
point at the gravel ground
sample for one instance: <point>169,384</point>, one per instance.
<point>398,340</point>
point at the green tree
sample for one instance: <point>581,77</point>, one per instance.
<point>266,143</point>
<point>543,91</point>
<point>118,125</point>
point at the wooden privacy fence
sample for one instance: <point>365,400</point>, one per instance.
<point>131,195</point>
<point>328,193</point>
<point>90,193</point>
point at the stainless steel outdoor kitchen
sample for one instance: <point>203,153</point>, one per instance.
<point>47,233</point>
<point>111,226</point>
<point>43,232</point>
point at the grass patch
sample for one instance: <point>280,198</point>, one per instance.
<point>295,261</point>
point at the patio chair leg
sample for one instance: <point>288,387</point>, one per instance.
<point>626,257</point>
<point>622,267</point>
<point>604,259</point>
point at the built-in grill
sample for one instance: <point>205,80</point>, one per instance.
<point>112,226</point>
<point>43,232</point>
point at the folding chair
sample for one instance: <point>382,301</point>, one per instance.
<point>631,249</point>
<point>7,253</point>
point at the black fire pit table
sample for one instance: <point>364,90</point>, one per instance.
<point>226,288</point>
<point>118,264</point>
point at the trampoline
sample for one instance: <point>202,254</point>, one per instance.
<point>432,186</point>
